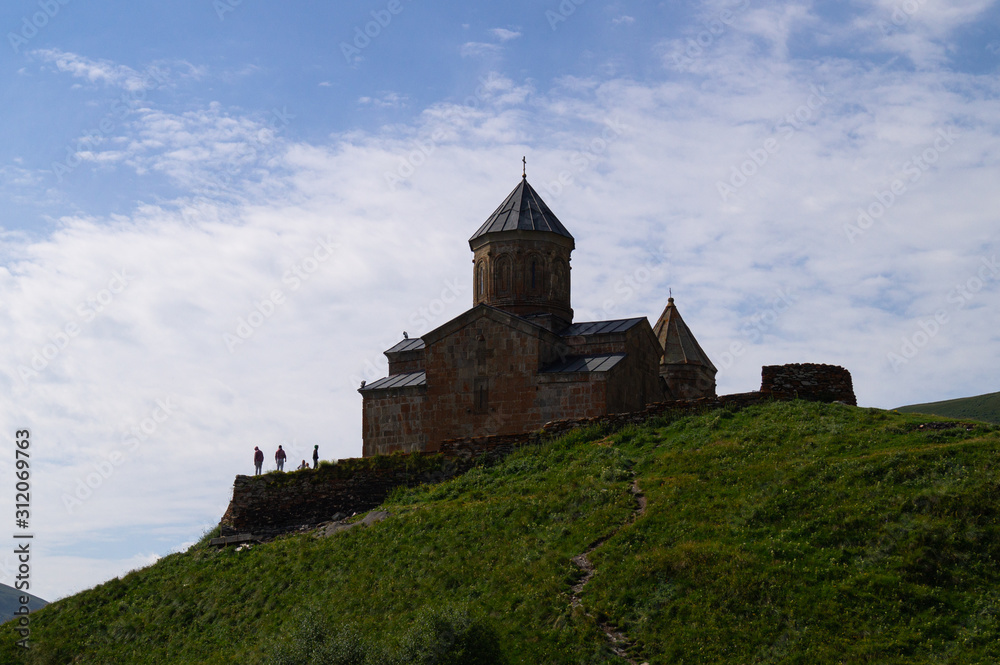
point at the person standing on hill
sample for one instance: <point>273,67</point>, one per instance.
<point>316,456</point>
<point>279,458</point>
<point>258,460</point>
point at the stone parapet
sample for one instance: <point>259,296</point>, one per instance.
<point>809,381</point>
<point>277,503</point>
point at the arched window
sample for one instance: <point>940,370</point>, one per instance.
<point>536,275</point>
<point>560,281</point>
<point>481,280</point>
<point>503,276</point>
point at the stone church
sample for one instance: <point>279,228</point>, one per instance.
<point>517,360</point>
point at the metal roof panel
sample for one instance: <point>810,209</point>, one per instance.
<point>412,344</point>
<point>597,363</point>
<point>600,327</point>
<point>406,380</point>
<point>522,210</point>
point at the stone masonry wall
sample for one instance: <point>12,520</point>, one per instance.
<point>392,421</point>
<point>820,383</point>
<point>276,503</point>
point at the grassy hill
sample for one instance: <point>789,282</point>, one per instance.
<point>981,407</point>
<point>783,533</point>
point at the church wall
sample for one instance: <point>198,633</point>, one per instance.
<point>480,381</point>
<point>404,363</point>
<point>393,421</point>
<point>634,382</point>
<point>688,381</point>
<point>565,395</point>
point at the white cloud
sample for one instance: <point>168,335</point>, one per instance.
<point>624,19</point>
<point>478,49</point>
<point>505,35</point>
<point>386,100</point>
<point>110,73</point>
<point>920,31</point>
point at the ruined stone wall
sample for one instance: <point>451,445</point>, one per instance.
<point>818,383</point>
<point>276,503</point>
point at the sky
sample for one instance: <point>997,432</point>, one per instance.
<point>215,215</point>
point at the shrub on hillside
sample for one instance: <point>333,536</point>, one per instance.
<point>438,637</point>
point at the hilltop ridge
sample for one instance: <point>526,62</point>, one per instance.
<point>979,407</point>
<point>783,532</point>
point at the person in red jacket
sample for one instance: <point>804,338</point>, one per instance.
<point>258,460</point>
<point>279,458</point>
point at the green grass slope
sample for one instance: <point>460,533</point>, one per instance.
<point>981,407</point>
<point>783,533</point>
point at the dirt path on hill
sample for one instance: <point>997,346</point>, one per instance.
<point>619,641</point>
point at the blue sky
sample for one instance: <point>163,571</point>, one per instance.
<point>215,217</point>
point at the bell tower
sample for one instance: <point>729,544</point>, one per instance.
<point>521,260</point>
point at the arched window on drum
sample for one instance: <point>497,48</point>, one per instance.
<point>481,281</point>
<point>536,275</point>
<point>504,276</point>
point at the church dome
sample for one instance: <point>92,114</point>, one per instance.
<point>522,210</point>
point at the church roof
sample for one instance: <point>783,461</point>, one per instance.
<point>599,363</point>
<point>679,345</point>
<point>601,327</point>
<point>397,381</point>
<point>522,210</point>
<point>411,344</point>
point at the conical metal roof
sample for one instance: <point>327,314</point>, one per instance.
<point>679,345</point>
<point>522,210</point>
